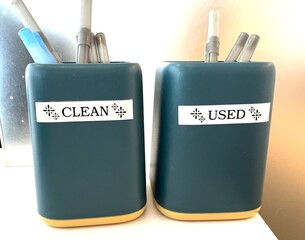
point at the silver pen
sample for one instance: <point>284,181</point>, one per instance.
<point>84,35</point>
<point>93,55</point>
<point>238,47</point>
<point>102,47</point>
<point>249,48</point>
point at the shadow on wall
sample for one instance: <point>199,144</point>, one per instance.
<point>13,107</point>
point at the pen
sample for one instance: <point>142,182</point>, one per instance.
<point>93,56</point>
<point>249,48</point>
<point>36,46</point>
<point>29,22</point>
<point>102,47</point>
<point>237,48</point>
<point>212,45</point>
<point>84,35</point>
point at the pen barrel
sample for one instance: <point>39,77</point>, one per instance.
<point>213,57</point>
<point>248,49</point>
<point>237,48</point>
<point>50,48</point>
<point>25,16</point>
<point>213,28</point>
<point>83,45</point>
<point>93,55</point>
<point>212,49</point>
<point>86,12</point>
<point>213,44</point>
<point>102,47</point>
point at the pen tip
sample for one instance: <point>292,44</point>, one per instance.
<point>214,14</point>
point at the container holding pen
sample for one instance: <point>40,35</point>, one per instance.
<point>210,138</point>
<point>87,133</point>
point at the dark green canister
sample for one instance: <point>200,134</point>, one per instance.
<point>87,133</point>
<point>210,138</point>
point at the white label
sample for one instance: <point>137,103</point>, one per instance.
<point>84,111</point>
<point>223,114</point>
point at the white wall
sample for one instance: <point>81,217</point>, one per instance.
<point>151,31</point>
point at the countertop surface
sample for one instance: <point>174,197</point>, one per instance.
<point>19,219</point>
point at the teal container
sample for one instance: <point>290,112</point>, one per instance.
<point>210,138</point>
<point>87,132</point>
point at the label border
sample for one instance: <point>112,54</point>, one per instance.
<point>83,111</point>
<point>189,115</point>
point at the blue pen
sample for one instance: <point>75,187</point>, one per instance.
<point>36,46</point>
<point>29,22</point>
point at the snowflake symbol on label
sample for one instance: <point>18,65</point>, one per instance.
<point>255,113</point>
<point>49,110</point>
<point>196,114</point>
<point>114,106</point>
<point>252,109</point>
<point>120,111</point>
<point>201,119</point>
<point>55,116</point>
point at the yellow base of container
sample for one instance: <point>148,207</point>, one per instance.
<point>93,221</point>
<point>206,216</point>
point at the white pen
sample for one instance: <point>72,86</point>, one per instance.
<point>29,22</point>
<point>84,35</point>
<point>238,47</point>
<point>212,45</point>
<point>249,48</point>
<point>102,47</point>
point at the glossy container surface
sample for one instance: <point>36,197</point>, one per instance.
<point>89,157</point>
<point>210,138</point>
